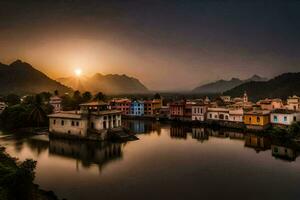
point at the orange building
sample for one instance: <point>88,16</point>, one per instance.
<point>257,119</point>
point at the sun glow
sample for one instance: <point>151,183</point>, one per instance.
<point>77,72</point>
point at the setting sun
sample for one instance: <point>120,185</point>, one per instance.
<point>77,72</point>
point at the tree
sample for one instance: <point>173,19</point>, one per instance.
<point>100,97</point>
<point>157,96</point>
<point>37,115</point>
<point>86,96</point>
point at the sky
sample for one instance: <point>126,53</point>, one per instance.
<point>167,45</point>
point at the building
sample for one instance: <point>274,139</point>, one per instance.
<point>257,119</point>
<point>293,103</point>
<point>284,117</point>
<point>94,118</point>
<point>137,108</point>
<point>270,104</point>
<point>226,98</point>
<point>151,107</point>
<point>219,113</point>
<point>199,112</point>
<point>2,106</point>
<point>177,110</point>
<point>284,152</point>
<point>236,115</point>
<point>121,104</point>
<point>55,101</point>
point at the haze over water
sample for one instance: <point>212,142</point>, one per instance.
<point>167,162</point>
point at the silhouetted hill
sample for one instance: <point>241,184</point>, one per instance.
<point>109,84</point>
<point>21,78</point>
<point>223,85</point>
<point>281,86</point>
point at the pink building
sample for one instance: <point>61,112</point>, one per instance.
<point>121,104</point>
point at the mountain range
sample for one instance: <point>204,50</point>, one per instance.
<point>221,86</point>
<point>21,78</point>
<point>281,86</point>
<point>108,84</point>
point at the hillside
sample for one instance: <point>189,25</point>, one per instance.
<point>224,85</point>
<point>109,84</point>
<point>281,86</point>
<point>21,78</point>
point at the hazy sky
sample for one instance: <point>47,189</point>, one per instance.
<point>171,44</point>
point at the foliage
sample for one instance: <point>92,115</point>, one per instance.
<point>157,96</point>
<point>87,96</point>
<point>100,97</point>
<point>16,178</point>
<point>12,99</point>
<point>293,131</point>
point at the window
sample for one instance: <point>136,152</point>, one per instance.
<point>210,115</point>
<point>54,121</point>
<point>226,117</point>
<point>72,123</point>
<point>258,119</point>
<point>77,123</point>
<point>285,118</point>
<point>275,118</point>
<point>62,122</point>
<point>295,118</point>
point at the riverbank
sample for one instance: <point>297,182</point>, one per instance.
<point>16,180</point>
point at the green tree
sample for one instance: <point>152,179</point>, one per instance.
<point>157,96</point>
<point>37,115</point>
<point>100,97</point>
<point>12,99</point>
<point>86,96</point>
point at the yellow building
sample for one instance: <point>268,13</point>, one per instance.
<point>257,119</point>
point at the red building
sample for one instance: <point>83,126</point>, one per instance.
<point>121,104</point>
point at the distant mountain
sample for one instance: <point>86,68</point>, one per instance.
<point>223,85</point>
<point>109,84</point>
<point>281,86</point>
<point>21,78</point>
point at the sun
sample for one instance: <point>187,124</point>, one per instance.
<point>77,72</point>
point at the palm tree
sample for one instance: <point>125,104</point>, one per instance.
<point>86,96</point>
<point>37,114</point>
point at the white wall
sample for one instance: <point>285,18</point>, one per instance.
<point>56,126</point>
<point>281,118</point>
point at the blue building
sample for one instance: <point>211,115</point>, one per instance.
<point>137,108</point>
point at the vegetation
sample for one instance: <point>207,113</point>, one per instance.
<point>16,179</point>
<point>293,131</point>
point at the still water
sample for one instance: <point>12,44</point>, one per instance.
<point>167,162</point>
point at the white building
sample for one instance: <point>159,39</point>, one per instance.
<point>2,106</point>
<point>218,114</point>
<point>55,101</point>
<point>293,103</point>
<point>94,117</point>
<point>226,98</point>
<point>199,112</point>
<point>284,117</point>
<point>236,115</point>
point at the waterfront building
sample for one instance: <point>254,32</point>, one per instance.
<point>199,111</point>
<point>55,101</point>
<point>236,115</point>
<point>257,119</point>
<point>121,104</point>
<point>2,106</point>
<point>177,110</point>
<point>151,107</point>
<point>137,108</point>
<point>94,118</point>
<point>284,117</point>
<point>219,113</point>
<point>293,103</point>
<point>270,104</point>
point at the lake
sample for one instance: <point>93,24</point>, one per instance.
<point>167,162</point>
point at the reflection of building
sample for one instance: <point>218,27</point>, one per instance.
<point>257,119</point>
<point>178,132</point>
<point>283,152</point>
<point>55,101</point>
<point>284,117</point>
<point>88,153</point>
<point>93,117</point>
<point>257,142</point>
<point>199,134</point>
<point>235,135</point>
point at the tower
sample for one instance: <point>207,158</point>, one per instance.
<point>245,98</point>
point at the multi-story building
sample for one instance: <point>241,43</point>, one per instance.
<point>293,103</point>
<point>270,104</point>
<point>55,101</point>
<point>199,112</point>
<point>121,104</point>
<point>93,117</point>
<point>218,113</point>
<point>177,110</point>
<point>284,117</point>
<point>151,107</point>
<point>257,119</point>
<point>137,108</point>
<point>236,115</point>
